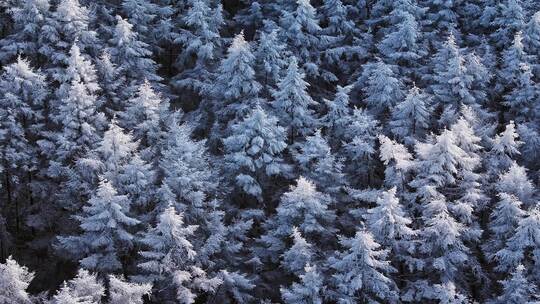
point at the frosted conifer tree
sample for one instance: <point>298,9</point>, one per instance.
<point>390,226</point>
<point>23,102</point>
<point>523,246</point>
<point>531,35</point>
<point>122,292</point>
<point>29,17</point>
<point>235,87</point>
<point>509,21</point>
<point>201,41</point>
<point>383,90</point>
<point>338,117</point>
<point>309,290</point>
<point>361,271</point>
<point>14,280</point>
<point>517,289</point>
<point>296,258</point>
<point>411,116</point>
<point>292,102</point>
<point>302,32</point>
<point>318,163</point>
<point>69,24</point>
<point>270,57</point>
<point>398,162</point>
<point>132,55</point>
<point>105,236</point>
<point>111,80</point>
<point>170,257</point>
<point>144,114</point>
<point>305,208</point>
<point>516,182</point>
<point>254,151</point>
<point>84,288</point>
<point>503,222</point>
<point>505,147</point>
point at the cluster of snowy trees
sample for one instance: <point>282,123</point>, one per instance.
<point>269,151</point>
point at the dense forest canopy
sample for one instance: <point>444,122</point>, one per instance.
<point>269,151</point>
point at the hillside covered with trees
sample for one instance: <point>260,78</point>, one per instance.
<point>269,151</point>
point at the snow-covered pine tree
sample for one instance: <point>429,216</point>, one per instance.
<point>299,255</point>
<point>509,21</point>
<point>144,114</point>
<point>390,226</point>
<point>29,21</point>
<point>292,103</point>
<point>310,289</point>
<point>235,87</point>
<point>132,56</point>
<point>122,292</point>
<point>169,257</point>
<point>270,57</point>
<point>23,104</point>
<point>398,162</point>
<point>516,182</point>
<point>83,288</point>
<point>302,34</point>
<point>504,148</point>
<point>503,222</point>
<point>383,90</point>
<point>201,43</point>
<point>14,280</point>
<point>411,117</point>
<point>517,289</point>
<point>318,163</point>
<point>254,152</point>
<point>338,116</point>
<point>361,272</point>
<point>306,209</point>
<point>105,236</point>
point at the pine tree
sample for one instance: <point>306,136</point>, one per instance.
<point>402,46</point>
<point>503,222</point>
<point>338,117</point>
<point>235,88</point>
<point>270,57</point>
<point>105,237</point>
<point>390,225</point>
<point>29,19</point>
<point>111,80</point>
<point>23,104</point>
<point>254,151</point>
<point>201,41</point>
<point>531,35</point>
<point>383,90</point>
<point>292,102</point>
<point>521,99</point>
<point>512,69</point>
<point>517,289</point>
<point>14,280</point>
<point>296,258</point>
<point>505,147</point>
<point>69,24</point>
<point>309,290</point>
<point>361,271</point>
<point>523,246</point>
<point>515,182</point>
<point>411,117</point>
<point>170,257</point>
<point>509,21</point>
<point>318,163</point>
<point>132,56</point>
<point>398,162</point>
<point>122,292</point>
<point>305,208</point>
<point>84,288</point>
<point>301,31</point>
<point>144,114</point>
<point>453,82</point>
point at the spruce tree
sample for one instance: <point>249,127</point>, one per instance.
<point>14,280</point>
